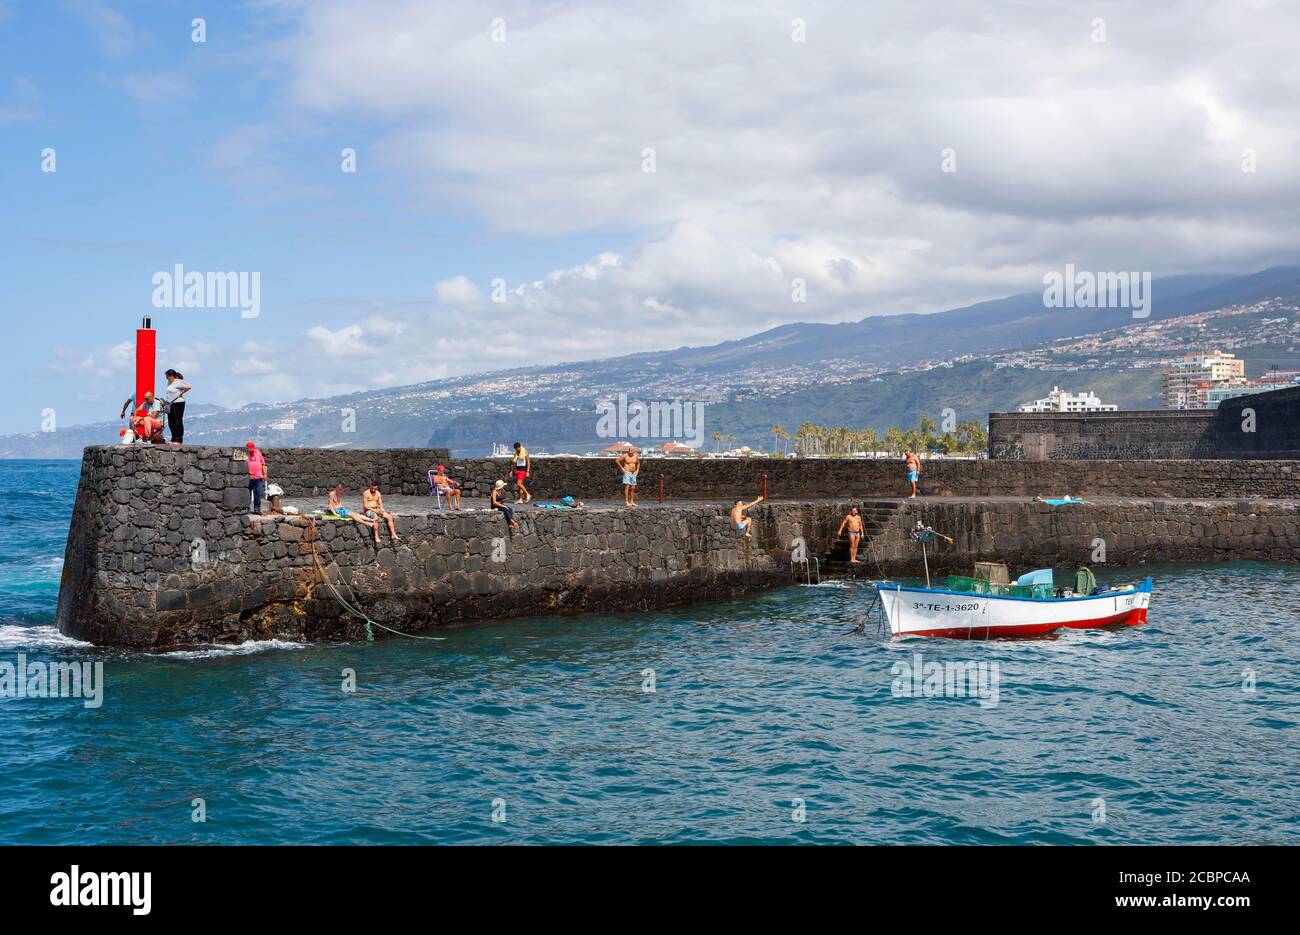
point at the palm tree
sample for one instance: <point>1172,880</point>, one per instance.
<point>926,428</point>
<point>972,436</point>
<point>801,437</point>
<point>717,438</point>
<point>777,434</point>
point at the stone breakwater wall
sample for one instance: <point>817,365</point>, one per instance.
<point>163,552</point>
<point>725,479</point>
<point>1121,532</point>
<point>310,472</point>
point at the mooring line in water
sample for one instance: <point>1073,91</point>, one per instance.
<point>355,611</point>
<point>860,628</point>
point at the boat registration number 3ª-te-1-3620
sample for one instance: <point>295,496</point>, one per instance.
<point>917,605</point>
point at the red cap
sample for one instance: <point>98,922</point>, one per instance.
<point>251,446</point>
<point>441,468</point>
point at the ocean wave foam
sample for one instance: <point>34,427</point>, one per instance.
<point>19,637</point>
<point>218,650</point>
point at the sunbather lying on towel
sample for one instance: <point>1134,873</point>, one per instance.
<point>564,503</point>
<point>1067,500</point>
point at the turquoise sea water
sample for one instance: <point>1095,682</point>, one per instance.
<point>759,705</point>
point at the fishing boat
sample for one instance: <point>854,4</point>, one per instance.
<point>988,605</point>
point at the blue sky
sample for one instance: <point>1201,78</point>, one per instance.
<point>156,165</point>
<point>637,179</point>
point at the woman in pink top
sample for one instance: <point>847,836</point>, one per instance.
<point>256,476</point>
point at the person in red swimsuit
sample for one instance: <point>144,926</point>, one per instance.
<point>523,466</point>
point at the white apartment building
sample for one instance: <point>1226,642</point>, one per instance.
<point>1187,380</point>
<point>1218,394</point>
<point>1060,401</point>
<point>1265,384</point>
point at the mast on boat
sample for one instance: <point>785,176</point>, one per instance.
<point>922,533</point>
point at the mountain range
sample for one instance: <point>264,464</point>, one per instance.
<point>877,372</point>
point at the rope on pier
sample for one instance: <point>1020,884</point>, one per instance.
<point>875,557</point>
<point>355,611</point>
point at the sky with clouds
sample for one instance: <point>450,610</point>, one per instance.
<point>540,182</point>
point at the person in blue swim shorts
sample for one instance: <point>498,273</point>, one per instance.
<point>742,522</point>
<point>913,469</point>
<point>629,462</point>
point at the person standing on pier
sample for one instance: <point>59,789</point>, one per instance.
<point>913,468</point>
<point>174,395</point>
<point>629,462</point>
<point>257,472</point>
<point>854,523</point>
<point>523,467</point>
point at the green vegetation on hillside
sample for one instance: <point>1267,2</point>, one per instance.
<point>971,391</point>
<point>967,437</point>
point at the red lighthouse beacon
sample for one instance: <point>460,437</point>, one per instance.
<point>145,353</point>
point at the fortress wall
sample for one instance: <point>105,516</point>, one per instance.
<point>1261,425</point>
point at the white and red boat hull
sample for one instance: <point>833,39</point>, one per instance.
<point>961,615</point>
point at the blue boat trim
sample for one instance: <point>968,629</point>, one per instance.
<point>1144,587</point>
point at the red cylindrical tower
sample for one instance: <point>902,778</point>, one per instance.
<point>145,338</point>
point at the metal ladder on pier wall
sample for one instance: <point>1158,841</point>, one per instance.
<point>812,570</point>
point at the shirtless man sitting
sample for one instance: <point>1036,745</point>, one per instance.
<point>447,487</point>
<point>742,522</point>
<point>372,502</point>
<point>145,422</point>
<point>336,507</point>
<point>854,523</point>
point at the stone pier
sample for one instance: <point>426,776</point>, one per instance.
<point>163,552</point>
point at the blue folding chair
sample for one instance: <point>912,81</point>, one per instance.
<point>434,490</point>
